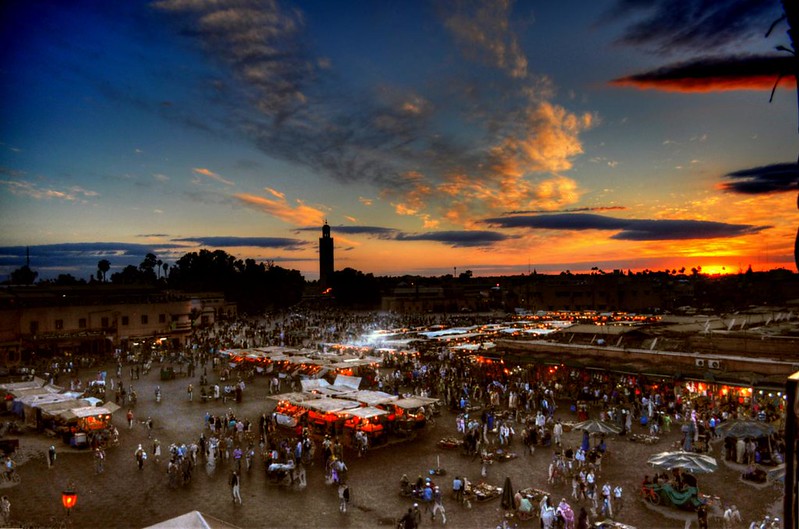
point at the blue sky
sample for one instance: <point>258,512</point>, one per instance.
<point>491,136</point>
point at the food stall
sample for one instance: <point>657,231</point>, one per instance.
<point>367,419</point>
<point>44,415</point>
<point>82,423</point>
<point>289,411</point>
<point>324,416</point>
<point>413,413</point>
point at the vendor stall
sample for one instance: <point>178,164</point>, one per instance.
<point>366,419</point>
<point>413,412</point>
<point>323,416</point>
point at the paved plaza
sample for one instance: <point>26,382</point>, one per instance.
<point>123,496</point>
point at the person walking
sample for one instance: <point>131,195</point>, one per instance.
<point>5,510</point>
<point>237,453</point>
<point>618,500</point>
<point>343,497</point>
<point>130,419</point>
<point>190,391</point>
<point>51,456</point>
<point>438,505</point>
<point>457,489</point>
<point>141,457</point>
<point>99,460</point>
<point>557,432</point>
<point>235,484</point>
<point>157,450</point>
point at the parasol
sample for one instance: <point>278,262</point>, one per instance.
<point>688,461</point>
<point>744,429</point>
<point>597,426</point>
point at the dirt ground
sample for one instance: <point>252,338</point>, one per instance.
<point>125,497</point>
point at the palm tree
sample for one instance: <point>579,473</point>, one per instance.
<point>103,266</point>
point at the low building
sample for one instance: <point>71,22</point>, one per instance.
<point>98,319</point>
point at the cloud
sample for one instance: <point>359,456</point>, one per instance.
<point>259,242</point>
<point>457,239</point>
<point>696,25</point>
<point>274,193</point>
<point>28,189</point>
<point>212,175</point>
<point>258,41</point>
<point>767,179</point>
<point>483,31</point>
<point>300,215</point>
<point>80,259</point>
<point>294,106</point>
<point>377,231</point>
<point>568,210</point>
<point>753,72</point>
<point>629,229</point>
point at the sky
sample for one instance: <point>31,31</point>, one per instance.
<point>434,137</point>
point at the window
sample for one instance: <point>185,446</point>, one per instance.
<point>145,319</point>
<point>59,325</point>
<point>82,323</point>
<point>104,322</point>
<point>125,320</point>
<point>34,327</point>
<point>162,318</point>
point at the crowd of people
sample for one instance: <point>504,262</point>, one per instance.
<point>496,406</point>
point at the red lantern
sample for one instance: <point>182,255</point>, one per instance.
<point>68,499</point>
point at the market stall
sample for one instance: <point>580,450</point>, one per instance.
<point>290,411</point>
<point>366,419</point>
<point>413,413</point>
<point>323,416</point>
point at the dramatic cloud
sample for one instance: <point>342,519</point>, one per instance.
<point>407,143</point>
<point>213,176</point>
<point>300,215</point>
<point>258,242</point>
<point>706,74</point>
<point>775,178</point>
<point>467,239</point>
<point>629,229</point>
<point>694,25</point>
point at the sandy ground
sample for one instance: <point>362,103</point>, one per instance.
<point>125,497</point>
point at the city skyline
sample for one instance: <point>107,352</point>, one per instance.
<point>496,137</point>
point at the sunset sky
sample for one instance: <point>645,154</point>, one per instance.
<point>433,136</point>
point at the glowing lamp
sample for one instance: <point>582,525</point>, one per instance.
<point>68,499</point>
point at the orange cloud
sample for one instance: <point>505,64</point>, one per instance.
<point>300,215</point>
<point>212,175</point>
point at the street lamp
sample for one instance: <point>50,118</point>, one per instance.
<point>68,499</point>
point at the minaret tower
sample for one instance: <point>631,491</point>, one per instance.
<point>325,257</point>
